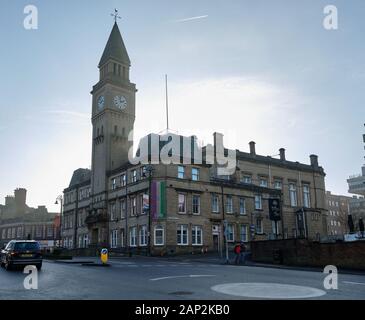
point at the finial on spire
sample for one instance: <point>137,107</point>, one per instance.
<point>115,15</point>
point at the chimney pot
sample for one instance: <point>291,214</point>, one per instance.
<point>252,148</point>
<point>282,154</point>
<point>314,160</point>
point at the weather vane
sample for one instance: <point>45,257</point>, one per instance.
<point>115,15</point>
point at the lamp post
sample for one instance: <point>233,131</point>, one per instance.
<point>60,199</point>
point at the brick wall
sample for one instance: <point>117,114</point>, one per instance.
<point>299,252</point>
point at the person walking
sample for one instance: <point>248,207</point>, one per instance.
<point>237,252</point>
<point>243,252</point>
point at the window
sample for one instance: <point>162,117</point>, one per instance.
<point>38,232</point>
<point>143,236</point>
<point>259,226</point>
<point>123,180</point>
<point>133,206</point>
<point>243,233</point>
<point>182,235</point>
<point>114,238</point>
<point>182,203</point>
<point>180,172</point>
<point>19,232</point>
<point>115,68</point>
<point>242,206</point>
<point>293,194</point>
<point>195,174</point>
<point>133,237</point>
<point>278,184</point>
<point>196,204</point>
<point>258,202</point>
<point>196,236</point>
<point>263,182</point>
<point>122,208</point>
<point>143,172</point>
<point>50,231</point>
<point>112,211</point>
<point>306,196</point>
<point>3,235</point>
<point>246,179</point>
<point>215,203</point>
<point>140,204</point>
<point>230,233</point>
<point>86,240</point>
<point>229,204</point>
<point>134,176</point>
<point>159,236</point>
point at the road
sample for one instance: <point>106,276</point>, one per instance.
<point>164,279</point>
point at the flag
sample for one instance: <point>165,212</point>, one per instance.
<point>158,197</point>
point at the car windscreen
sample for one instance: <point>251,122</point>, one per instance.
<point>26,246</point>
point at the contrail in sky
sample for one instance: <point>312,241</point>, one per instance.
<point>191,19</point>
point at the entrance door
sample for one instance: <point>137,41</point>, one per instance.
<point>216,242</point>
<point>95,236</point>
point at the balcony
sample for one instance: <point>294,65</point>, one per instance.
<point>96,218</point>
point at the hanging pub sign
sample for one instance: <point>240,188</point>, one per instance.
<point>274,209</point>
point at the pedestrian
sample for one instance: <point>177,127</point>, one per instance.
<point>243,252</point>
<point>237,252</point>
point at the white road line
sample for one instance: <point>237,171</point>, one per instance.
<point>350,282</point>
<point>187,276</point>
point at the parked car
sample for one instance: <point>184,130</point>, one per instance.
<point>21,253</point>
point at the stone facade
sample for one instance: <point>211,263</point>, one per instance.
<point>19,221</point>
<point>338,212</point>
<point>106,206</point>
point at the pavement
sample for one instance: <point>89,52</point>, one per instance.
<point>177,278</point>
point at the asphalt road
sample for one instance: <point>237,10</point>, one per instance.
<point>162,279</point>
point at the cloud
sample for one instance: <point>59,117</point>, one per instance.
<point>190,19</point>
<point>242,108</point>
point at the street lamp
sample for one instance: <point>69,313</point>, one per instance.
<point>59,199</point>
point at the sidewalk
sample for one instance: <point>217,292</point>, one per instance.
<point>203,258</point>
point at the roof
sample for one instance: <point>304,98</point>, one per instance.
<point>80,176</point>
<point>115,48</point>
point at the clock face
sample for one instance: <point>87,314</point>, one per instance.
<point>101,102</point>
<point>120,102</point>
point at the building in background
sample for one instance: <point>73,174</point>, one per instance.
<point>357,187</point>
<point>19,221</point>
<point>191,207</point>
<point>338,212</point>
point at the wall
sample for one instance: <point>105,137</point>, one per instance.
<point>300,252</point>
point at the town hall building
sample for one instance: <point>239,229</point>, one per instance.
<point>185,206</point>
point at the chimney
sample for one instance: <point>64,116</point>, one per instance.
<point>314,160</point>
<point>252,148</point>
<point>282,154</point>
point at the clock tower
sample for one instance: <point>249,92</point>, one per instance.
<point>113,113</point>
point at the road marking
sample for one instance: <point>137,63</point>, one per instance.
<point>186,276</point>
<point>350,282</point>
<point>268,290</point>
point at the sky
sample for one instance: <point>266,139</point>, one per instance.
<point>266,71</point>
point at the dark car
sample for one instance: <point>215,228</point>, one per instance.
<point>21,253</point>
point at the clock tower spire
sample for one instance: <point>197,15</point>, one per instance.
<point>113,111</point>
